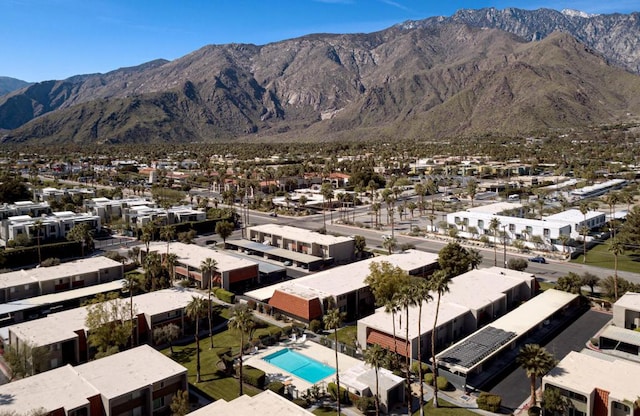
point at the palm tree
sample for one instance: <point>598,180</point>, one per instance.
<point>242,321</point>
<point>438,283</point>
<point>208,267</point>
<point>195,309</point>
<point>390,244</point>
<point>168,233</point>
<point>374,356</point>
<point>327,193</point>
<point>171,261</point>
<point>564,239</point>
<point>406,297</point>
<point>152,268</point>
<point>475,258</point>
<point>536,362</point>
<point>617,248</point>
<point>333,320</point>
<point>422,296</point>
<point>494,225</point>
<point>584,208</point>
<point>612,199</point>
<point>37,227</point>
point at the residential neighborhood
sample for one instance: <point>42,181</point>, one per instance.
<point>259,279</point>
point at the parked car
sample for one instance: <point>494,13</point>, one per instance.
<point>537,259</point>
<point>273,214</point>
<point>288,263</point>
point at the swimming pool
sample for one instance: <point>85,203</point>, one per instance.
<point>300,365</point>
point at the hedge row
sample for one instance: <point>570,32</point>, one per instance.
<point>25,256</point>
<point>489,402</point>
<point>253,376</point>
<point>443,383</point>
<point>425,368</point>
<point>276,387</point>
<point>225,295</point>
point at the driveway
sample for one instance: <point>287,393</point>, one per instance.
<point>514,388</point>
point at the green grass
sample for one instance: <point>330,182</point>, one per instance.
<point>600,256</point>
<point>325,410</point>
<point>213,382</point>
<point>546,285</point>
<point>348,335</point>
<point>445,408</point>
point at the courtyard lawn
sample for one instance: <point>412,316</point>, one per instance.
<point>325,411</point>
<point>214,383</point>
<point>347,335</point>
<point>600,256</point>
<point>446,409</point>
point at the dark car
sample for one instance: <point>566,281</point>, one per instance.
<point>538,259</point>
<point>273,214</point>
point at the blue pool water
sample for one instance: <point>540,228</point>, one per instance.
<point>300,365</point>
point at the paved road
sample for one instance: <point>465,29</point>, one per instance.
<point>515,389</point>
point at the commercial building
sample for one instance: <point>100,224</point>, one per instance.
<point>308,297</point>
<point>475,299</point>
<point>140,381</point>
<point>475,222</point>
<point>596,384</point>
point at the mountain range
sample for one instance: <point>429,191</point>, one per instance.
<point>479,72</point>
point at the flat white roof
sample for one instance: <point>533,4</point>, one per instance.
<point>573,216</point>
<point>617,376</point>
<point>299,234</point>
<point>474,289</point>
<point>53,389</point>
<point>128,371</point>
<point>266,403</point>
<point>496,208</point>
<point>61,326</point>
<point>629,300</point>
<point>347,278</point>
<point>363,377</point>
<point>531,313</point>
<point>193,256</point>
<point>43,274</point>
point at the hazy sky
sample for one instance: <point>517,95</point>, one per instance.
<point>54,39</point>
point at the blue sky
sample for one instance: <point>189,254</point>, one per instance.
<point>55,39</point>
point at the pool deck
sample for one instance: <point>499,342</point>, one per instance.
<point>310,349</point>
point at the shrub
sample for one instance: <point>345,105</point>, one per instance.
<point>443,383</point>
<point>225,295</point>
<point>301,402</point>
<point>428,379</point>
<point>51,261</point>
<point>275,332</point>
<point>366,404</point>
<point>277,316</point>
<point>251,304</point>
<point>414,368</point>
<point>534,411</point>
<point>315,326</point>
<point>276,387</point>
<point>253,376</point>
<point>489,402</point>
<point>332,389</point>
<point>286,330</point>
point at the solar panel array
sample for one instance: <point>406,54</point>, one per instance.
<point>474,349</point>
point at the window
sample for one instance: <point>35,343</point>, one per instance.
<point>480,223</point>
<point>26,287</point>
<point>158,403</point>
<point>512,228</point>
<point>621,406</point>
<point>529,230</point>
<point>546,232</point>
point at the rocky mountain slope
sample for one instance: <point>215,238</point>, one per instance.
<point>419,79</point>
<point>8,84</point>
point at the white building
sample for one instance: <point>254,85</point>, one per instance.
<point>596,384</point>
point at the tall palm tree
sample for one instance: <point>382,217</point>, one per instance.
<point>333,320</point>
<point>168,233</point>
<point>171,261</point>
<point>612,199</point>
<point>242,321</point>
<point>152,268</point>
<point>406,297</point>
<point>374,356</point>
<point>208,267</point>
<point>617,248</point>
<point>439,284</point>
<point>475,258</point>
<point>494,225</point>
<point>584,208</point>
<point>195,309</point>
<point>422,296</point>
<point>37,227</point>
<point>536,362</point>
